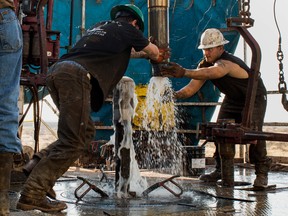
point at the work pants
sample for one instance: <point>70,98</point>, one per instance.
<point>70,88</point>
<point>257,152</point>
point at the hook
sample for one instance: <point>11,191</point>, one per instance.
<point>285,102</point>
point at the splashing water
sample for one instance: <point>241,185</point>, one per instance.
<point>160,148</point>
<point>126,103</point>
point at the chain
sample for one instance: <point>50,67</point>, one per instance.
<point>245,9</point>
<point>280,56</point>
<point>282,87</point>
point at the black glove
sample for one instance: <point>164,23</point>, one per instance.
<point>172,69</point>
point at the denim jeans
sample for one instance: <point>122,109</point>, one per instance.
<point>69,87</point>
<point>10,69</point>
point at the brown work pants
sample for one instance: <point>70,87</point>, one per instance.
<point>70,89</point>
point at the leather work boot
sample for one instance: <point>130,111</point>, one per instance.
<point>261,171</point>
<point>45,205</point>
<point>261,181</point>
<point>6,161</point>
<point>27,169</point>
<point>211,177</point>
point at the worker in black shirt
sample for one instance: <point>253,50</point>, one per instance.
<point>78,83</point>
<point>230,75</point>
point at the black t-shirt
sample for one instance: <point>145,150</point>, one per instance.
<point>105,52</point>
<point>235,89</point>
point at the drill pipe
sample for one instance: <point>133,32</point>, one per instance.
<point>158,27</point>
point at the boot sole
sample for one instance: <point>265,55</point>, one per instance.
<point>27,207</point>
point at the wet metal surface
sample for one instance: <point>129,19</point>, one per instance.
<point>197,199</point>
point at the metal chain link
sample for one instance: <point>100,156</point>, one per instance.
<point>245,9</point>
<point>282,87</point>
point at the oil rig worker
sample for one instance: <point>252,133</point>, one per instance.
<point>79,83</point>
<point>10,70</point>
<point>230,75</point>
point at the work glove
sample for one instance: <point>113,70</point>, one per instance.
<point>164,54</point>
<point>172,69</point>
<point>164,51</point>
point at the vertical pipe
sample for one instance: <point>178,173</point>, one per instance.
<point>227,153</point>
<point>158,25</point>
<point>158,21</point>
<point>83,17</point>
<point>71,25</point>
<point>42,35</point>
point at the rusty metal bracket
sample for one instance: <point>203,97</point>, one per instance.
<point>104,176</point>
<point>236,134</point>
<point>91,187</point>
<point>162,184</point>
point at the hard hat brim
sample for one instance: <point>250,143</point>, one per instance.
<point>201,46</point>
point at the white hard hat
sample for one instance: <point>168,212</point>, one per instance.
<point>212,38</point>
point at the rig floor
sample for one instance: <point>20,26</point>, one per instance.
<point>198,198</point>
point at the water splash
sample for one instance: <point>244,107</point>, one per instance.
<point>124,112</point>
<point>159,147</point>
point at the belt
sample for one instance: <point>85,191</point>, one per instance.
<point>80,66</point>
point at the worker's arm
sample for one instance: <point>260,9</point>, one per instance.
<point>218,70</point>
<point>190,89</point>
<point>175,70</point>
<point>151,51</point>
<point>140,54</point>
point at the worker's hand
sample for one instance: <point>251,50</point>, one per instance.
<point>164,54</point>
<point>164,51</point>
<point>172,69</point>
<point>175,95</point>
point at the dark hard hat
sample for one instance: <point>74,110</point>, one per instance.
<point>134,10</point>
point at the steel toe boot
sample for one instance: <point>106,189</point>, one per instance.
<point>45,205</point>
<point>261,181</point>
<point>216,174</point>
<point>6,161</point>
<point>27,169</point>
<point>211,177</point>
<point>261,171</point>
